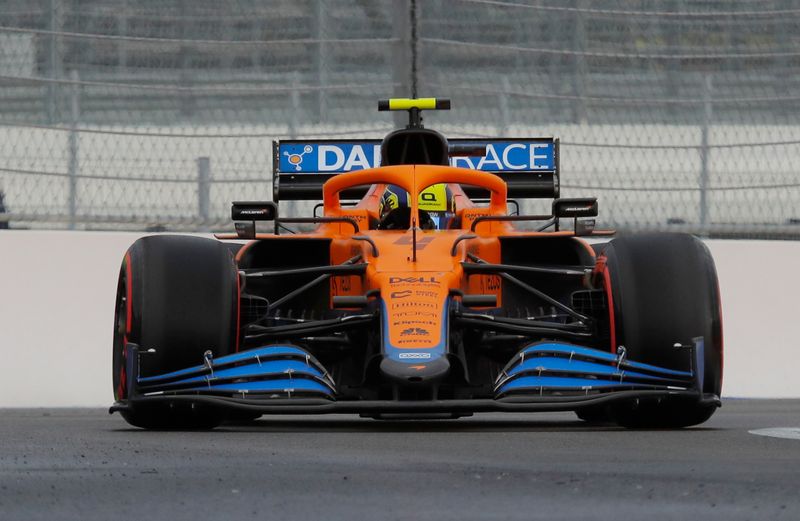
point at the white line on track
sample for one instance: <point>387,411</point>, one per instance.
<point>790,433</point>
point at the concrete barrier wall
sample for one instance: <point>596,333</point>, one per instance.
<point>57,307</point>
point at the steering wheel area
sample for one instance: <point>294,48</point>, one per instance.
<point>400,219</point>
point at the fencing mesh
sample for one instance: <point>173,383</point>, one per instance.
<point>147,114</point>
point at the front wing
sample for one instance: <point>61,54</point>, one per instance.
<point>285,379</point>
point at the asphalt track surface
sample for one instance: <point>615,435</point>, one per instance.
<point>84,464</point>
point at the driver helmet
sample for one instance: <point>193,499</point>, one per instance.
<point>436,200</point>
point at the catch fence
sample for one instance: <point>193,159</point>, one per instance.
<point>155,115</point>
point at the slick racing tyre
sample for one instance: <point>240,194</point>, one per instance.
<point>178,296</point>
<point>663,290</point>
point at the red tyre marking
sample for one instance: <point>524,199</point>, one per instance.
<point>122,389</point>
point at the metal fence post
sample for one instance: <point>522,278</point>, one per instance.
<point>401,63</point>
<point>321,59</point>
<point>579,73</point>
<point>73,165</point>
<point>704,149</point>
<point>293,125</point>
<point>4,224</point>
<point>54,58</point>
<point>294,102</point>
<point>204,188</point>
<point>122,30</point>
<point>504,113</point>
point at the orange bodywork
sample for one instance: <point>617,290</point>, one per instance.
<point>415,287</point>
<point>415,292</point>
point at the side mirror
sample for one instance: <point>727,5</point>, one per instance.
<point>575,208</point>
<point>252,211</point>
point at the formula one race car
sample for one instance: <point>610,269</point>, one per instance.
<point>415,296</point>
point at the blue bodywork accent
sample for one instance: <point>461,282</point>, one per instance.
<point>553,364</point>
<point>699,361</point>
<point>270,369</point>
<point>250,355</point>
<point>267,386</point>
<point>570,349</point>
<point>553,367</point>
<point>553,383</point>
<point>277,367</point>
<point>437,351</point>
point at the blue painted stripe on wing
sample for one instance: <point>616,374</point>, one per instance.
<point>276,350</point>
<point>279,386</point>
<point>547,363</point>
<point>254,371</point>
<point>552,383</point>
<point>567,349</point>
<point>252,354</point>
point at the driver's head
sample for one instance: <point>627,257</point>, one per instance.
<point>393,198</point>
<point>436,201</point>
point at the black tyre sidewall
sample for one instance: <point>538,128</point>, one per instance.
<point>184,301</point>
<point>665,291</point>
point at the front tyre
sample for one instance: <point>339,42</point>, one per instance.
<point>663,290</point>
<point>177,295</point>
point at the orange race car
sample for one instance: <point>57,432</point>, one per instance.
<point>421,292</point>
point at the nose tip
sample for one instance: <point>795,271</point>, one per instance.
<point>416,372</point>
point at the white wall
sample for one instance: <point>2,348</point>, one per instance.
<point>57,309</point>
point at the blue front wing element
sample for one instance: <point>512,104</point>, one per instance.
<point>544,368</point>
<point>276,371</point>
<point>557,368</point>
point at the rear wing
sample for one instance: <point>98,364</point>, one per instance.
<point>529,166</point>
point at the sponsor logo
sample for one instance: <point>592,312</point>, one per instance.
<point>344,158</point>
<point>415,331</point>
<point>418,314</point>
<point>334,157</point>
<point>415,356</point>
<point>412,304</point>
<point>510,156</point>
<point>423,293</point>
<point>341,284</point>
<point>413,280</point>
<point>414,322</point>
<point>254,211</point>
<point>296,160</point>
<point>401,294</point>
<point>490,283</point>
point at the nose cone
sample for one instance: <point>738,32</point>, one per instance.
<point>415,327</point>
<point>424,372</point>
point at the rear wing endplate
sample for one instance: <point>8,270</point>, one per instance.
<point>529,166</point>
